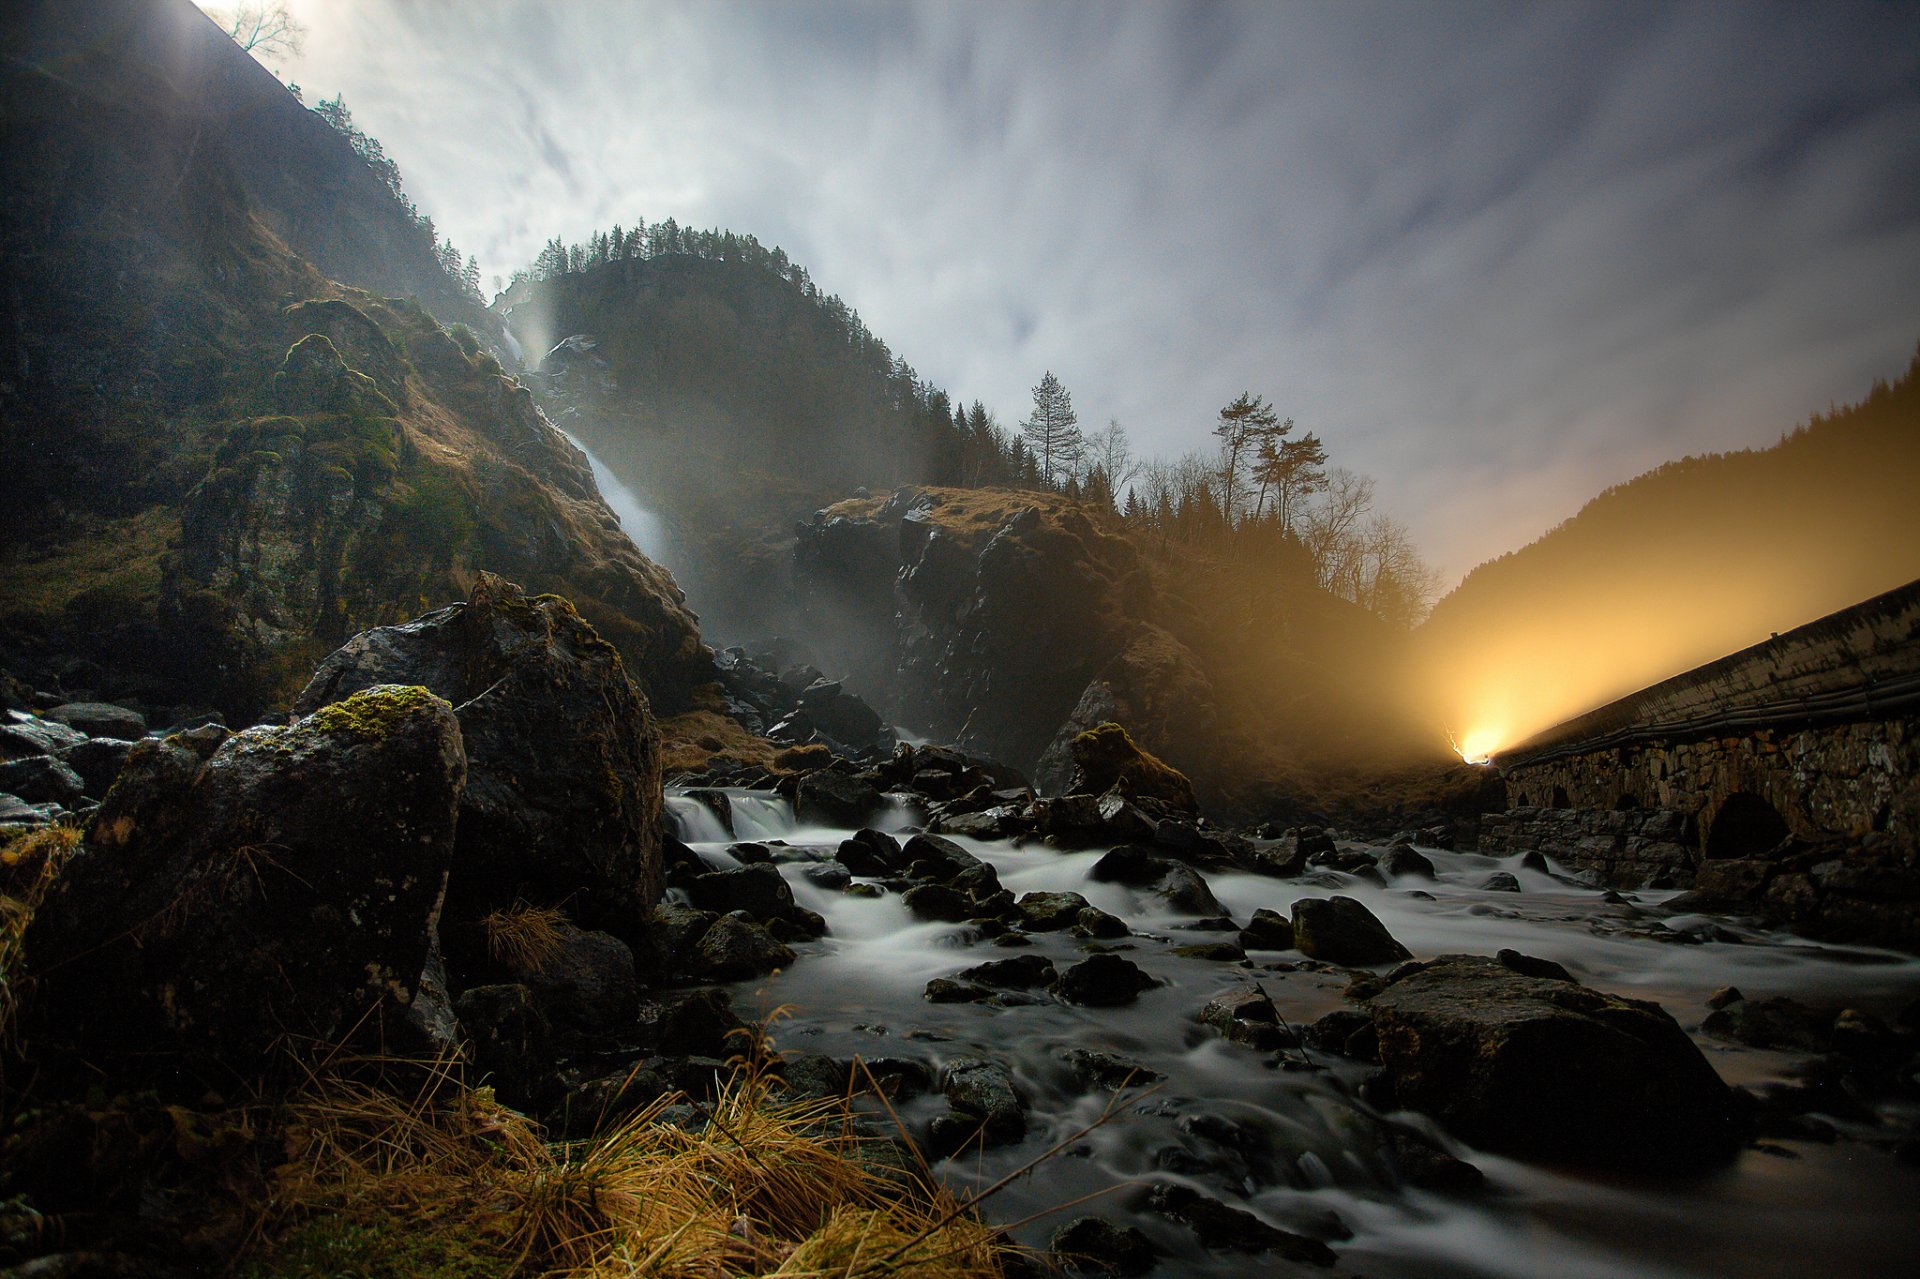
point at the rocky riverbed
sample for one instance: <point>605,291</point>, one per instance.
<point>1252,1122</point>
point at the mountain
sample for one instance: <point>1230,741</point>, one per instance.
<point>1685,564</point>
<point>221,459</point>
<point>733,396</point>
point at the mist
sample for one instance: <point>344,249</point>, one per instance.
<point>1689,563</point>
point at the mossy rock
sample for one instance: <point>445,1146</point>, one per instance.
<point>1105,757</point>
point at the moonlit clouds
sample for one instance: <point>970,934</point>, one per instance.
<point>1496,256</point>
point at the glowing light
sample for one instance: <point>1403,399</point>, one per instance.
<point>1479,744</point>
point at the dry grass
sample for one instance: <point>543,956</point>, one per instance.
<point>767,1187</point>
<point>524,937</point>
<point>29,863</point>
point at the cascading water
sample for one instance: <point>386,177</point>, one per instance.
<point>1295,1146</point>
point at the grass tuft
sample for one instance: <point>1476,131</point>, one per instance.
<point>29,863</point>
<point>761,1185</point>
<point>524,937</point>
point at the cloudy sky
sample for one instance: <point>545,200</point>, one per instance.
<point>1497,256</point>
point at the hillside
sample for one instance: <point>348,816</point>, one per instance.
<point>733,397</point>
<point>1685,564</point>
<point>222,463</point>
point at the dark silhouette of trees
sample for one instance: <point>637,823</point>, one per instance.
<point>1243,425</point>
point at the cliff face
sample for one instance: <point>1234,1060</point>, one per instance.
<point>982,614</point>
<point>220,462</point>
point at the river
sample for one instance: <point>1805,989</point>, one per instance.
<point>1293,1146</point>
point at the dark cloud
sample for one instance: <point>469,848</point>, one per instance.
<point>1497,256</point>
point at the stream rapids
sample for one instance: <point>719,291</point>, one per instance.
<point>1296,1146</point>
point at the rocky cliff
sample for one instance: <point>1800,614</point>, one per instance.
<point>222,463</point>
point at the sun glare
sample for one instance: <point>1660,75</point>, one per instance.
<point>1479,744</point>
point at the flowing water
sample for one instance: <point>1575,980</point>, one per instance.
<point>1293,1146</point>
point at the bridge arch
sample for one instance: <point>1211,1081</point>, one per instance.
<point>1745,825</point>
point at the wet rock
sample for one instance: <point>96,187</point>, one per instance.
<point>738,947</point>
<point>945,990</point>
<point>833,798</point>
<point>871,853</point>
<point>842,715</point>
<point>1770,1023</point>
<point>1109,1071</point>
<point>1106,759</point>
<point>1346,1032</point>
<point>1051,912</point>
<point>1342,931</point>
<point>1403,862</point>
<point>676,931</point>
<point>22,735</point>
<point>99,719</point>
<point>98,761</point>
<point>1528,966</point>
<point>936,858</point>
<point>1267,930</point>
<point>1500,882</point>
<point>1096,923</point>
<point>15,811</point>
<point>937,901</point>
<point>831,876</point>
<point>1724,996</point>
<point>587,984</point>
<point>1423,1164</point>
<point>1104,981</point>
<point>1022,972</point>
<point>1180,886</point>
<point>759,890</point>
<point>508,1038</point>
<point>1217,952</point>
<point>1071,821</point>
<point>1226,1229</point>
<point>563,800</point>
<point>701,1023</point>
<point>1861,1036</point>
<point>42,779</point>
<point>286,886</point>
<point>982,1091</point>
<point>600,1104</point>
<point>1246,1015</point>
<point>988,823</point>
<point>1091,1246</point>
<point>1550,1070</point>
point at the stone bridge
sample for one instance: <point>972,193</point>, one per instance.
<point>1807,745</point>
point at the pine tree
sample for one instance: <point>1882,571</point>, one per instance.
<point>1053,432</point>
<point>1243,424</point>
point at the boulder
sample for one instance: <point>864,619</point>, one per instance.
<point>832,798</point>
<point>1106,759</point>
<point>284,887</point>
<point>759,890</point>
<point>1104,981</point>
<point>1500,881</point>
<point>700,1023</point>
<point>1051,912</point>
<point>1180,886</point>
<point>42,779</point>
<point>1547,1069</point>
<point>982,1091</point>
<point>676,931</point>
<point>98,761</point>
<point>1088,1245</point>
<point>1222,1228</point>
<point>99,719</point>
<point>1402,861</point>
<point>1246,1015</point>
<point>1107,1071</point>
<point>1267,930</point>
<point>586,982</point>
<point>23,734</point>
<point>871,852</point>
<point>1022,972</point>
<point>1340,930</point>
<point>508,1039</point>
<point>563,800</point>
<point>737,947</point>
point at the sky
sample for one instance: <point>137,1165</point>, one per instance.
<point>1498,257</point>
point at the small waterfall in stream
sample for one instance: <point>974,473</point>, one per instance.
<point>1295,1146</point>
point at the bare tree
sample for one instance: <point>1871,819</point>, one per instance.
<point>267,31</point>
<point>1330,530</point>
<point>1109,450</point>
